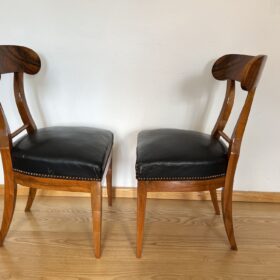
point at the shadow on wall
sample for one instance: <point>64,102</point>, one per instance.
<point>39,85</point>
<point>198,92</point>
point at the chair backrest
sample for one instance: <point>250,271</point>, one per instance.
<point>237,68</point>
<point>17,60</point>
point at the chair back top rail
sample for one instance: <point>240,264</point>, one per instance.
<point>242,68</point>
<point>17,59</point>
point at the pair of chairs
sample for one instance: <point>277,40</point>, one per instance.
<point>78,158</point>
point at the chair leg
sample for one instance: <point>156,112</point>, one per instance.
<point>227,215</point>
<point>96,205</point>
<point>9,207</point>
<point>214,199</point>
<point>141,207</point>
<point>31,196</point>
<point>109,184</point>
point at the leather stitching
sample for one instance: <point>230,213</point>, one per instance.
<point>57,176</point>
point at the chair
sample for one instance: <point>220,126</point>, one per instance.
<point>56,158</point>
<point>173,160</point>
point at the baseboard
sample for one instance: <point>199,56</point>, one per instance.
<point>246,196</point>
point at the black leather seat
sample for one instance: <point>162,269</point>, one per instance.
<point>78,153</point>
<point>173,154</point>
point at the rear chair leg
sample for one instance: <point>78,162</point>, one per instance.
<point>109,184</point>
<point>31,197</point>
<point>227,202</point>
<point>214,199</point>
<point>227,216</point>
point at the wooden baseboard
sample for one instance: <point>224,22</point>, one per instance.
<point>246,196</point>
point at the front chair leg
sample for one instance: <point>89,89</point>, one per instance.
<point>214,199</point>
<point>9,207</point>
<point>227,215</point>
<point>109,184</point>
<point>96,205</point>
<point>31,196</point>
<point>141,208</point>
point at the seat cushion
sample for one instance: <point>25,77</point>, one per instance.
<point>78,153</point>
<point>173,154</point>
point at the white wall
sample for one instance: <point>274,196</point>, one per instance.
<point>127,65</point>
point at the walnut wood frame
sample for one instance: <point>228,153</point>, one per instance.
<point>246,70</point>
<point>20,60</point>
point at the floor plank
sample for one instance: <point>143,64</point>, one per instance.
<point>183,240</point>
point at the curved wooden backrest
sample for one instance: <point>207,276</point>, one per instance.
<point>242,68</point>
<point>247,70</point>
<point>17,59</point>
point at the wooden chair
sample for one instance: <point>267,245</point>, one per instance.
<point>172,160</point>
<point>56,158</point>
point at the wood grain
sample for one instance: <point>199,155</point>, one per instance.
<point>17,59</point>
<point>131,192</point>
<point>245,69</point>
<point>183,240</point>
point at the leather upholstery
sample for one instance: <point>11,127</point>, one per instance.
<point>78,153</point>
<point>173,154</point>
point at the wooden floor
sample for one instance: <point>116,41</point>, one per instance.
<point>183,240</point>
